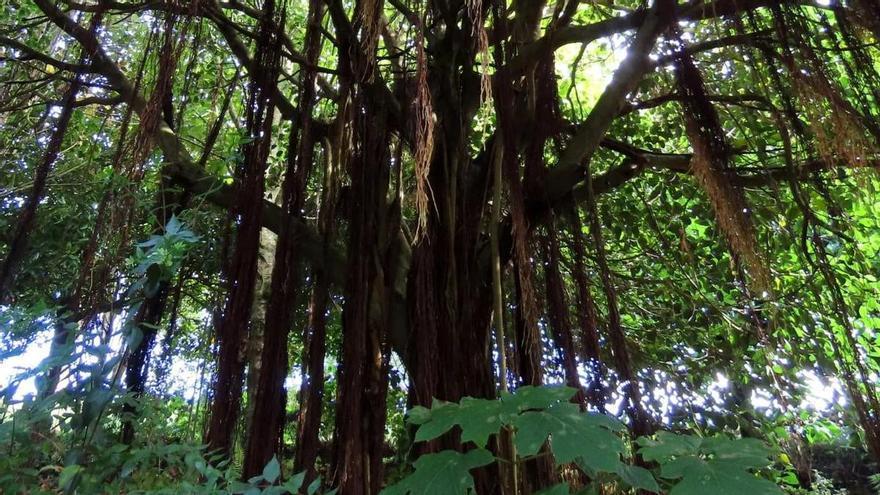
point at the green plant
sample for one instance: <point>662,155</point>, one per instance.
<point>596,443</point>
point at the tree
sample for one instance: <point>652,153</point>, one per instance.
<point>635,188</point>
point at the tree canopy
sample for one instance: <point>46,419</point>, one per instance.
<point>439,246</point>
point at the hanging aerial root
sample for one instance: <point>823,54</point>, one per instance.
<point>836,131</point>
<point>369,17</point>
<point>837,127</point>
<point>479,33</point>
<point>159,102</point>
<point>531,341</point>
<point>731,213</point>
<point>424,146</point>
<point>557,309</point>
<point>232,327</point>
<point>590,348</point>
<point>710,164</point>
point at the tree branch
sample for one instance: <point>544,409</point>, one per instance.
<point>32,54</point>
<point>586,140</point>
<point>180,166</point>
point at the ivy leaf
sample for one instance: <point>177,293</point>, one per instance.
<point>573,435</point>
<point>443,473</point>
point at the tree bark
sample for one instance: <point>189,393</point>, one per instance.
<point>234,323</point>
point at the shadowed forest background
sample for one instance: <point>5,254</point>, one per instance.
<point>440,246</point>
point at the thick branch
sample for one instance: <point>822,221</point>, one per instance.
<point>694,11</point>
<point>585,141</point>
<point>638,161</point>
<point>32,54</point>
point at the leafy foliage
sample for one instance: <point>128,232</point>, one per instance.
<point>539,416</point>
<point>443,473</point>
<point>709,465</point>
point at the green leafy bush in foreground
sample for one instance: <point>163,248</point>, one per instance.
<point>532,417</point>
<point>535,416</point>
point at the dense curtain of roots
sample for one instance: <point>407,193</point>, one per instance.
<point>711,165</point>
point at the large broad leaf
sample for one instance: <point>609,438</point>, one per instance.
<point>443,473</point>
<point>574,436</point>
<point>745,452</point>
<point>668,445</point>
<point>481,418</point>
<point>477,418</point>
<point>272,470</point>
<point>93,404</point>
<point>714,465</point>
<point>68,477</point>
<point>530,397</point>
<point>702,476</point>
<point>638,477</point>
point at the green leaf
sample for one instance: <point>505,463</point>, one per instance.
<point>530,397</point>
<point>638,477</point>
<point>443,473</point>
<point>68,476</point>
<point>700,476</point>
<point>746,452</point>
<point>477,418</point>
<point>236,486</point>
<point>668,445</point>
<point>573,435</point>
<point>714,465</point>
<point>272,470</point>
<point>313,486</point>
<point>296,481</point>
<point>94,403</point>
<point>418,415</point>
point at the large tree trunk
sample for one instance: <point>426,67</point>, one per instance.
<point>449,284</point>
<point>265,434</point>
<point>255,341</point>
<point>233,325</point>
<point>357,463</point>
